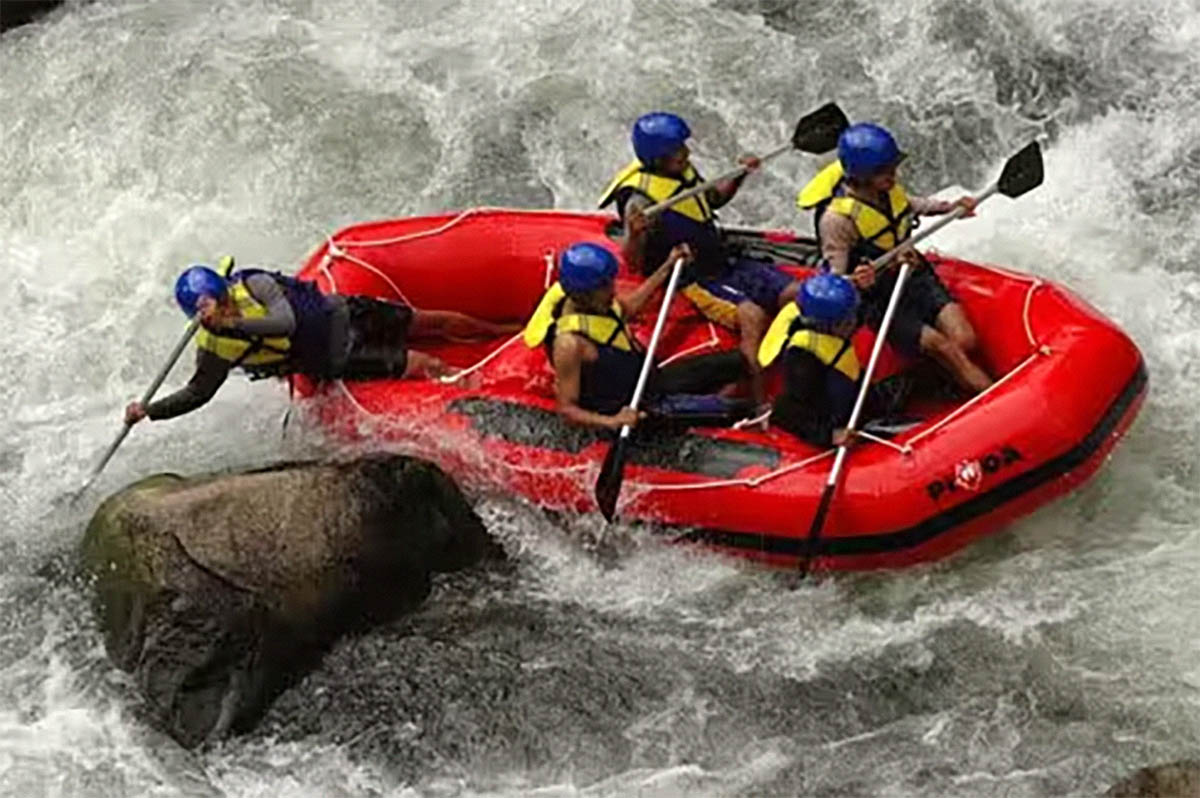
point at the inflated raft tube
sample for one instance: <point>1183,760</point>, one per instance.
<point>1069,383</point>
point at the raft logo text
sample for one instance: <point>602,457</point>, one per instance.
<point>969,475</point>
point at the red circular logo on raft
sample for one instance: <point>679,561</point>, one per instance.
<point>968,475</point>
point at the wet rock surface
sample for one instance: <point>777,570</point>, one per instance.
<point>217,592</point>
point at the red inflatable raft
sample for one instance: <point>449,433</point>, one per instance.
<point>1069,384</point>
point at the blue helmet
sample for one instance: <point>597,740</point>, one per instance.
<point>197,281</point>
<point>657,135</point>
<point>828,298</point>
<point>865,148</point>
<point>585,267</point>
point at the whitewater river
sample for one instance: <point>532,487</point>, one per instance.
<point>136,137</point>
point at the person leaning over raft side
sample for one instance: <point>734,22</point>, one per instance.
<point>861,212</point>
<point>596,365</point>
<point>822,372</point>
<point>270,325</point>
<point>742,294</point>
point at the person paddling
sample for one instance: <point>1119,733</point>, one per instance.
<point>269,324</point>
<point>861,211</point>
<point>582,324</point>
<point>742,294</point>
<point>822,372</point>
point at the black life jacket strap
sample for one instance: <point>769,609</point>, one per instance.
<point>838,357</point>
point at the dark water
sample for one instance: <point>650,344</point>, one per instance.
<point>138,136</point>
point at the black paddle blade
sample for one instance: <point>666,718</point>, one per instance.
<point>814,531</point>
<point>612,474</point>
<point>1022,172</point>
<point>818,132</point>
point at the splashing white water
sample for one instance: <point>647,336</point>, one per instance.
<point>137,137</point>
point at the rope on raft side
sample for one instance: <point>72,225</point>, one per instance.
<point>336,251</point>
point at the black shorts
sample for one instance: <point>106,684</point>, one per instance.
<point>378,338</point>
<point>923,299</point>
<point>697,374</point>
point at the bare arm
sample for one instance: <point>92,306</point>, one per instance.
<point>838,236</point>
<point>927,206</point>
<point>720,194</point>
<point>724,191</point>
<point>633,302</point>
<point>569,353</point>
<point>637,229</point>
<point>422,366</point>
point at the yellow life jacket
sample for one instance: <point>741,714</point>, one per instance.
<point>829,349</point>
<point>605,330</point>
<point>659,188</point>
<point>245,350</point>
<point>874,225</point>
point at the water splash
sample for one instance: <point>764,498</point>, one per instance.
<point>139,136</point>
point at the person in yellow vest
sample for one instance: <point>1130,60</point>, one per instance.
<point>268,324</point>
<point>822,372</point>
<point>861,212</point>
<point>582,324</point>
<point>742,294</point>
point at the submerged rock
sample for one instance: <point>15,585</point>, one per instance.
<point>217,591</point>
<point>1175,780</point>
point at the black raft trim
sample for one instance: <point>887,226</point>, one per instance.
<point>659,445</point>
<point>947,520</point>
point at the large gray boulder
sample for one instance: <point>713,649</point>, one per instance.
<point>217,591</point>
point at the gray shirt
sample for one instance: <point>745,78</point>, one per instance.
<point>839,234</point>
<point>280,321</point>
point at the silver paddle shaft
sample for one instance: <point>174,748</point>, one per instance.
<point>146,398</point>
<point>707,184</point>
<point>659,323</point>
<point>882,261</point>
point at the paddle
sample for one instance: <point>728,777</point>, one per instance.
<point>798,253</point>
<point>815,133</point>
<point>773,236</point>
<point>612,473</point>
<point>224,266</point>
<point>779,245</point>
<point>1022,173</point>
